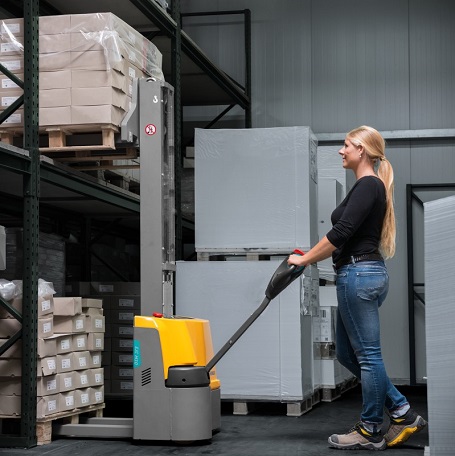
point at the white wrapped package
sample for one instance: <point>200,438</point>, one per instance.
<point>273,360</point>
<point>255,189</point>
<point>440,320</point>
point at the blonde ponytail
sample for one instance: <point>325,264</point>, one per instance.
<point>374,146</point>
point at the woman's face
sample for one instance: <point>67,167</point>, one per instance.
<point>350,154</point>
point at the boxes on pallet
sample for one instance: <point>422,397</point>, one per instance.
<point>274,359</point>
<point>248,210</point>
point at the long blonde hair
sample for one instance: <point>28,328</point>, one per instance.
<point>374,146</point>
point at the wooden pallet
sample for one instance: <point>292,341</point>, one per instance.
<point>81,144</point>
<point>294,408</point>
<point>44,425</point>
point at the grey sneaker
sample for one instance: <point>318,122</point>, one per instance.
<point>400,429</point>
<point>358,438</point>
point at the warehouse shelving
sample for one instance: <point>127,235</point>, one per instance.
<point>32,186</point>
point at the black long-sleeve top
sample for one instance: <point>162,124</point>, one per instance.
<point>357,221</point>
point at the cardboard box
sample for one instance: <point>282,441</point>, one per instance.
<point>15,351</point>
<point>14,64</point>
<point>55,61</point>
<point>66,401</point>
<point>45,327</point>
<point>8,327</point>
<point>14,120</point>
<point>96,395</point>
<point>69,324</point>
<point>47,347</point>
<point>96,377</point>
<point>45,305</point>
<point>47,405</point>
<point>82,398</point>
<point>55,116</point>
<point>100,78</point>
<point>55,79</point>
<point>98,60</point>
<point>66,381</point>
<point>92,303</point>
<point>88,96</point>
<point>8,98</point>
<point>99,22</point>
<point>81,379</point>
<point>13,26</point>
<point>105,114</point>
<point>95,323</point>
<point>10,386</point>
<point>80,342</point>
<point>65,363</point>
<point>52,98</point>
<point>54,43</point>
<point>47,385</point>
<point>95,341</point>
<point>11,44</point>
<point>10,406</point>
<point>47,366</point>
<point>95,360</point>
<point>82,360</point>
<point>55,25</point>
<point>67,306</point>
<point>92,311</point>
<point>64,344</point>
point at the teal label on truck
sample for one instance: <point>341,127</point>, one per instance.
<point>137,361</point>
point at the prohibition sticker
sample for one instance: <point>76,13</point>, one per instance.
<point>150,129</point>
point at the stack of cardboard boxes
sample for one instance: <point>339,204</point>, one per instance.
<point>70,342</point>
<point>86,66</point>
<point>121,302</point>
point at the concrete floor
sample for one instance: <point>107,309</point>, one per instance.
<point>265,432</point>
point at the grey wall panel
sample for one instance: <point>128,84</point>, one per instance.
<point>432,63</point>
<point>360,65</point>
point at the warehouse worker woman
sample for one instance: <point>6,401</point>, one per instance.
<point>363,233</point>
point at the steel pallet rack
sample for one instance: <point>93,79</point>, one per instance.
<point>38,177</point>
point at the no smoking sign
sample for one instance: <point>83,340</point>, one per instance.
<point>150,129</point>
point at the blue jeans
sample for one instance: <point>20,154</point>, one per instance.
<point>361,289</point>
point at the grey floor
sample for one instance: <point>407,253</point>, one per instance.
<point>265,432</point>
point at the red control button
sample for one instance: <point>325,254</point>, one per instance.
<point>157,315</point>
